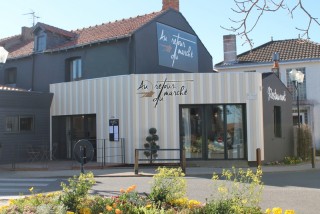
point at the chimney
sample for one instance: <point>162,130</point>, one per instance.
<point>230,48</point>
<point>26,33</point>
<point>174,4</point>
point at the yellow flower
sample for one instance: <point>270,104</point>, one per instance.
<point>289,212</point>
<point>117,211</point>
<point>86,210</point>
<point>31,189</point>
<point>148,206</point>
<point>193,204</point>
<point>268,211</point>
<point>114,205</point>
<point>70,212</point>
<point>276,210</point>
<point>109,208</point>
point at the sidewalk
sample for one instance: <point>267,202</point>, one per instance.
<point>143,171</point>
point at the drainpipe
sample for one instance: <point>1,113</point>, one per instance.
<point>32,71</point>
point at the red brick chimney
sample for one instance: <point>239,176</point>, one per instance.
<point>174,4</point>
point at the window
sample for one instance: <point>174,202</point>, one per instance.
<point>19,123</point>
<point>11,76</point>
<point>302,86</point>
<point>75,69</point>
<point>213,131</point>
<point>41,43</point>
<point>277,121</point>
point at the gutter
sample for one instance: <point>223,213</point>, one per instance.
<point>261,64</point>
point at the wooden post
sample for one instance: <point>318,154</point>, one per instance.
<point>313,153</point>
<point>136,162</point>
<point>258,155</point>
<point>183,161</point>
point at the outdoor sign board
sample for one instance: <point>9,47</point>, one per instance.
<point>177,49</point>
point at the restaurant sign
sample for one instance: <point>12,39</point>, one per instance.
<point>158,91</point>
<point>177,49</point>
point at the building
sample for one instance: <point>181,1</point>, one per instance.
<point>117,80</point>
<point>300,54</point>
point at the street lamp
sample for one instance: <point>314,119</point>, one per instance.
<point>3,56</point>
<point>297,78</point>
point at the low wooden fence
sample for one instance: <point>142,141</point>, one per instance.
<point>181,161</point>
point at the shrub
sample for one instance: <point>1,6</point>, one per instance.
<point>241,191</point>
<point>168,185</point>
<point>292,160</point>
<point>77,190</point>
<point>304,141</point>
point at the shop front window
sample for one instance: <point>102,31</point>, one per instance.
<point>213,131</point>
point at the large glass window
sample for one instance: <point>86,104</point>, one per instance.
<point>19,123</point>
<point>213,131</point>
<point>192,131</point>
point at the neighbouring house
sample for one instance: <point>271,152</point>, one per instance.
<point>113,82</point>
<point>281,57</point>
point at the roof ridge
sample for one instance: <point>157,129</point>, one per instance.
<point>115,21</point>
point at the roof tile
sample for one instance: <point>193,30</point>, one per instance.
<point>93,34</point>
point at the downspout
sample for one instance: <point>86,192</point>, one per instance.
<point>32,71</point>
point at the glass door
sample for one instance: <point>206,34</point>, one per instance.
<point>192,131</point>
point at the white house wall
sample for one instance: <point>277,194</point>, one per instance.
<point>312,76</point>
<point>121,97</point>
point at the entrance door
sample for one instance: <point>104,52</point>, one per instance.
<point>67,130</point>
<point>192,131</point>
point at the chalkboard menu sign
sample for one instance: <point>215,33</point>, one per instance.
<point>177,49</point>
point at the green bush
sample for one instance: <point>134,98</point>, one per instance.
<point>304,142</point>
<point>168,185</point>
<point>77,190</point>
<point>240,192</point>
<point>292,160</point>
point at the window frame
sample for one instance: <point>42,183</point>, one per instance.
<point>10,72</point>
<point>18,120</point>
<point>74,69</point>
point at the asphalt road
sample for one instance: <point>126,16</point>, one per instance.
<point>289,190</point>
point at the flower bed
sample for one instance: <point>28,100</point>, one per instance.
<point>167,195</point>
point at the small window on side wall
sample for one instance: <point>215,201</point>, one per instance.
<point>11,76</point>
<point>17,124</point>
<point>74,69</point>
<point>277,121</point>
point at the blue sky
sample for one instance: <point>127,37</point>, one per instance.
<point>204,16</point>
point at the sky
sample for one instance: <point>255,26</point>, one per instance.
<point>205,17</point>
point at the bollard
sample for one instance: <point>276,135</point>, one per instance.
<point>313,153</point>
<point>258,155</point>
<point>183,161</point>
<point>136,162</point>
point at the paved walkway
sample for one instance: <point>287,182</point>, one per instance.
<point>60,169</point>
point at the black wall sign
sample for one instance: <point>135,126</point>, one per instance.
<point>177,49</point>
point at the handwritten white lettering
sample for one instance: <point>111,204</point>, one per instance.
<point>274,96</point>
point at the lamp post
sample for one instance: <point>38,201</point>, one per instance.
<point>297,78</point>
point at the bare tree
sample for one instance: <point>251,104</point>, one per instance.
<point>252,10</point>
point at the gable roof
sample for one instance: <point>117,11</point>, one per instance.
<point>80,37</point>
<point>289,50</point>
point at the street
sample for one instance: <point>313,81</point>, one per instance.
<point>289,190</point>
